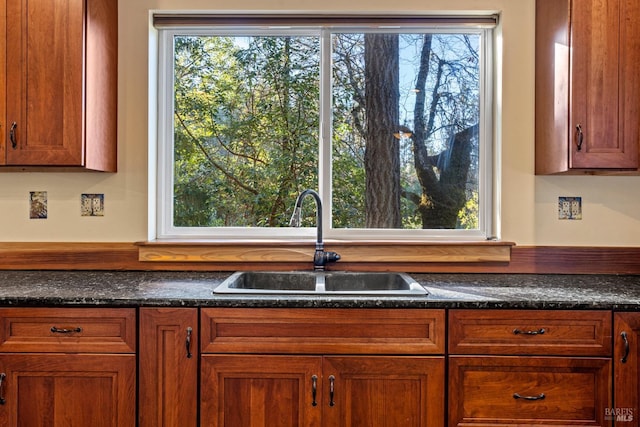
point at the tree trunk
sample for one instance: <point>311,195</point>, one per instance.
<point>443,194</point>
<point>445,197</point>
<point>382,152</point>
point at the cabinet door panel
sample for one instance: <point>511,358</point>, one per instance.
<point>45,81</point>
<point>168,367</point>
<point>68,390</point>
<point>266,391</point>
<point>587,92</point>
<point>322,331</point>
<point>599,103</point>
<point>61,330</point>
<point>384,391</point>
<point>529,391</point>
<point>530,332</point>
<point>626,362</point>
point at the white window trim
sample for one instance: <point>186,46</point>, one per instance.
<point>162,172</point>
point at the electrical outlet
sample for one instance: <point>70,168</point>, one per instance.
<point>569,207</point>
<point>92,204</point>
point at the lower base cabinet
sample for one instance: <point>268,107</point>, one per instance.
<point>322,368</point>
<point>68,390</point>
<point>68,367</point>
<point>168,367</point>
<point>530,368</point>
<point>314,391</point>
<point>319,368</point>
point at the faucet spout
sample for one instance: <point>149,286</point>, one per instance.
<point>321,257</point>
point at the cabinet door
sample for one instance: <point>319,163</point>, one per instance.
<point>168,367</point>
<point>529,391</point>
<point>61,84</point>
<point>260,390</point>
<point>605,90</point>
<point>45,82</point>
<point>626,362</point>
<point>383,391</point>
<point>587,93</point>
<point>68,390</point>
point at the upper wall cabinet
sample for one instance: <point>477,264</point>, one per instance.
<point>587,90</point>
<point>61,84</point>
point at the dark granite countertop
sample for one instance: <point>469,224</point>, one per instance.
<point>194,289</point>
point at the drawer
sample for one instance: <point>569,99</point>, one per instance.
<point>528,391</point>
<point>52,330</point>
<point>530,332</point>
<point>323,331</point>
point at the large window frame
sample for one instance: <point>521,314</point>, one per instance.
<point>169,25</point>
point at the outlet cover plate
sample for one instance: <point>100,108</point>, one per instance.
<point>92,204</point>
<point>569,207</point>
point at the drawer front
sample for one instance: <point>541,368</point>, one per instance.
<point>523,391</point>
<point>51,330</point>
<point>530,332</point>
<point>323,331</point>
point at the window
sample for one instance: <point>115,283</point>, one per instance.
<point>389,119</point>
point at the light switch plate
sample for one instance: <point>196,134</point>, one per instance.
<point>569,207</point>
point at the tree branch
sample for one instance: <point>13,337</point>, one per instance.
<point>210,159</point>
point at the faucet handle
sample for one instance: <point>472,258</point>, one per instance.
<point>322,258</point>
<point>331,256</point>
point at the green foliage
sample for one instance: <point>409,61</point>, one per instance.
<point>246,128</point>
<point>468,216</point>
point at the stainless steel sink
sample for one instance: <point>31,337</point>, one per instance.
<point>268,282</point>
<point>320,283</point>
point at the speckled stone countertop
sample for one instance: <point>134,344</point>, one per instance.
<point>194,289</point>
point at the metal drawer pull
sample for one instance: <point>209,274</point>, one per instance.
<point>332,382</point>
<point>12,135</point>
<point>538,397</point>
<point>580,136</point>
<point>188,342</point>
<point>538,332</point>
<point>314,390</point>
<point>3,376</point>
<point>623,334</point>
<point>56,330</point>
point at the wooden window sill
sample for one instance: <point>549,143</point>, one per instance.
<point>289,251</point>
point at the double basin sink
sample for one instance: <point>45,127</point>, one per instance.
<point>324,283</point>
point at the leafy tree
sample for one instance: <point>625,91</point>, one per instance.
<point>246,128</point>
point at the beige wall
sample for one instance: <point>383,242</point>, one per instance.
<point>611,205</point>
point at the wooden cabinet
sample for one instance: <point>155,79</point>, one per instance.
<point>168,367</point>
<point>384,391</point>
<point>61,84</point>
<point>322,367</point>
<point>626,355</point>
<point>528,391</point>
<point>529,368</point>
<point>67,367</point>
<point>266,390</point>
<point>587,93</point>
